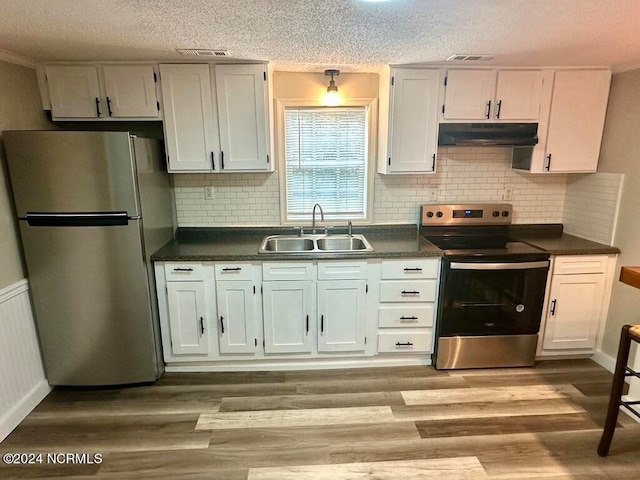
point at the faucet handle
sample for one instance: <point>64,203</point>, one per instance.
<point>327,228</point>
<point>301,231</point>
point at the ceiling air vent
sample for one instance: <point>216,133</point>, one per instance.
<point>200,52</point>
<point>471,57</point>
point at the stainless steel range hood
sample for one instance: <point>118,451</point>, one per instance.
<point>478,134</point>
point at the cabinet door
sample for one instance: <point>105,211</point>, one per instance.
<point>74,92</point>
<point>575,305</point>
<point>186,318</point>
<point>469,94</point>
<point>288,316</point>
<point>519,95</point>
<point>130,91</point>
<point>242,98</point>
<point>341,308</point>
<point>190,130</point>
<point>413,122</point>
<point>236,316</point>
<point>576,121</point>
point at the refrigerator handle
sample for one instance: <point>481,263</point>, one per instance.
<point>95,219</point>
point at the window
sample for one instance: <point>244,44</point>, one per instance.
<point>326,161</point>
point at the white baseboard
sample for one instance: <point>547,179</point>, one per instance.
<point>12,419</point>
<point>604,360</point>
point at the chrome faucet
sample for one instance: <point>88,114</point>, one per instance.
<point>313,218</point>
<point>350,228</point>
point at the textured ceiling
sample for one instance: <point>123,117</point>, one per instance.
<point>304,35</point>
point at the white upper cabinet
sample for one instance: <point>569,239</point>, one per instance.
<point>130,91</point>
<point>243,117</point>
<point>217,118</point>
<point>74,92</point>
<point>469,94</point>
<point>576,121</point>
<point>490,95</point>
<point>107,92</point>
<point>190,126</point>
<point>408,129</point>
<point>520,94</point>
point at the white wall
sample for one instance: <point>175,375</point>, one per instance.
<point>621,155</point>
<point>22,380</point>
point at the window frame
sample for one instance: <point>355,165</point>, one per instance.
<point>372,122</point>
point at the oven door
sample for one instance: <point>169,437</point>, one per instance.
<point>485,298</point>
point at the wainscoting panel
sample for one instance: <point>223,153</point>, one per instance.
<point>22,379</point>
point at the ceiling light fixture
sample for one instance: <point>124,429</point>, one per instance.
<point>331,98</point>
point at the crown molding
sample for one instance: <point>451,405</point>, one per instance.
<point>11,57</point>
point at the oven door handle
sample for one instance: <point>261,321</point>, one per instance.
<point>498,266</point>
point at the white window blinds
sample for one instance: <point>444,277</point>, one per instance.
<point>326,156</point>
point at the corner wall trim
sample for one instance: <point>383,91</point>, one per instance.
<point>13,290</point>
<point>11,57</point>
<point>13,417</point>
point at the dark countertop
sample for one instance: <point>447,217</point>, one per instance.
<point>388,241</point>
<point>553,240</point>
<point>237,244</point>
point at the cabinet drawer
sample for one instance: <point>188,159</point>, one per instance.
<point>342,270</point>
<point>183,272</point>
<point>287,271</point>
<point>233,271</point>
<point>405,315</point>
<point>409,342</point>
<point>575,264</point>
<point>408,291</point>
<point>410,268</point>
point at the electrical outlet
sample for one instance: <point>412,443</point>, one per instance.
<point>432,194</point>
<point>208,193</point>
<point>507,193</point>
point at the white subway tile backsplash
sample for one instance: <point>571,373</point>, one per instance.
<point>464,174</point>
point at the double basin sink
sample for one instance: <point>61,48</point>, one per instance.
<point>315,244</point>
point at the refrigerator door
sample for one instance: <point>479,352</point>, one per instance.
<point>55,171</point>
<point>91,297</point>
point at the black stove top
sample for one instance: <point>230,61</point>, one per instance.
<point>475,232</point>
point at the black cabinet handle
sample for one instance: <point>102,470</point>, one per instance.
<point>498,107</point>
<point>234,269</point>
<point>548,164</point>
<point>98,107</point>
<point>433,162</point>
<point>213,163</point>
<point>307,323</point>
<point>183,269</point>
<point>412,269</point>
<point>109,107</point>
<point>406,344</point>
<point>321,323</point>
<point>221,324</point>
<point>201,326</point>
<point>488,109</point>
<point>553,307</point>
<point>404,292</point>
<point>408,319</point>
<point>221,160</point>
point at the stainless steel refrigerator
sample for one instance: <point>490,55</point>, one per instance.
<point>92,208</point>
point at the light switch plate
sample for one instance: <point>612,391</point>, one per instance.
<point>432,194</point>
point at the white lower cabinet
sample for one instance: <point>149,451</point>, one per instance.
<point>342,310</point>
<point>186,305</point>
<point>406,313</point>
<point>289,314</point>
<point>234,315</point>
<point>577,302</point>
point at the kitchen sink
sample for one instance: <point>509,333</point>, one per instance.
<point>343,244</point>
<point>278,243</point>
<point>315,244</point>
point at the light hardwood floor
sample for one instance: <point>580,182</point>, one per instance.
<point>383,424</point>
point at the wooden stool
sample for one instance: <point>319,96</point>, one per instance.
<point>629,332</point>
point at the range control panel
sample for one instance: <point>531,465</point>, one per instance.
<point>466,214</point>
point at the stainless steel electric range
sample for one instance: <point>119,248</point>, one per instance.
<point>491,289</point>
